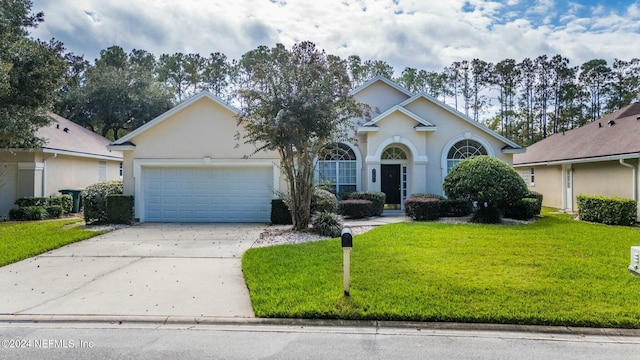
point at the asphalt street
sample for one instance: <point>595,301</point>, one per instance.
<point>149,341</point>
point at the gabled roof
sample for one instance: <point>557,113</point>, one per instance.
<point>384,80</point>
<point>513,147</point>
<point>63,136</point>
<point>423,125</point>
<point>125,141</point>
<point>614,136</point>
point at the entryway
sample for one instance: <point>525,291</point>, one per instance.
<point>391,185</point>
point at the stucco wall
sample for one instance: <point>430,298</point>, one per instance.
<point>381,97</point>
<point>202,129</point>
<point>603,178</point>
<point>73,172</point>
<point>549,183</point>
<point>606,178</point>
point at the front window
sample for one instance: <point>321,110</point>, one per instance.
<point>338,166</point>
<point>462,150</point>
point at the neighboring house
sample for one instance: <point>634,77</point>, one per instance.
<point>72,158</point>
<point>600,158</point>
<point>190,164</point>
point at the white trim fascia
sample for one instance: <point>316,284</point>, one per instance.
<point>461,116</point>
<point>426,128</point>
<point>403,110</point>
<point>377,78</point>
<point>173,111</point>
<point>582,160</point>
<point>195,162</point>
<point>363,129</point>
<point>24,165</point>
<point>514,151</point>
<point>80,154</point>
<point>121,147</point>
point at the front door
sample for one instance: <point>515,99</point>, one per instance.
<point>568,180</point>
<point>390,184</point>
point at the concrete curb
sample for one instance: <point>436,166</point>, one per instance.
<point>377,325</point>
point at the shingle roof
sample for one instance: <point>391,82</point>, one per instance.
<point>615,134</point>
<point>63,135</point>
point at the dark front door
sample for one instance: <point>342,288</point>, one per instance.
<point>391,183</point>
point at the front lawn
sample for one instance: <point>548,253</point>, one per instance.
<point>21,240</point>
<point>556,271</point>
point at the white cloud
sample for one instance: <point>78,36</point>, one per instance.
<point>421,34</point>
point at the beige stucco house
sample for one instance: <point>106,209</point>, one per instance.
<point>190,164</point>
<point>600,158</point>
<point>72,158</point>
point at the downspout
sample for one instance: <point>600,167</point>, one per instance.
<point>44,174</point>
<point>635,185</point>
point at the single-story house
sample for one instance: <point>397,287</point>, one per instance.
<point>600,158</point>
<point>72,158</point>
<point>190,164</point>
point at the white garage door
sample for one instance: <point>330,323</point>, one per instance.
<point>211,194</point>
<point>8,187</point>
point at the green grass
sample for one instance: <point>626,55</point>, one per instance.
<point>556,271</point>
<point>21,240</point>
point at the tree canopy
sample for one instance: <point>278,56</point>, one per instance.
<point>295,101</point>
<point>30,73</point>
<point>491,182</point>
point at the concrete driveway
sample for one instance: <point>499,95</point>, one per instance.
<point>143,270</point>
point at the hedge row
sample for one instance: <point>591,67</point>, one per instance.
<point>432,207</point>
<point>607,210</point>
<point>40,208</point>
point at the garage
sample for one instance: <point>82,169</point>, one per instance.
<point>207,194</point>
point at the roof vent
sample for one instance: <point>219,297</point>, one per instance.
<point>611,122</point>
<point>65,130</point>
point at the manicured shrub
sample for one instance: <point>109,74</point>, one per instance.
<point>455,208</point>
<point>538,197</point>
<point>356,209</point>
<point>32,201</point>
<point>65,201</point>
<point>486,180</point>
<point>422,208</point>
<point>36,213</point>
<point>323,201</point>
<point>19,213</point>
<point>487,215</point>
<point>326,224</point>
<point>280,213</point>
<point>428,195</point>
<point>54,211</point>
<point>377,198</point>
<point>94,198</point>
<point>523,209</point>
<point>120,209</point>
<point>607,210</point>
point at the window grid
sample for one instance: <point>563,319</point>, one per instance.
<point>462,150</point>
<point>338,166</point>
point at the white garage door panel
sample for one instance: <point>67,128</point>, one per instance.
<point>216,194</point>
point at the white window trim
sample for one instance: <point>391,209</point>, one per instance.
<point>358,160</point>
<point>455,140</point>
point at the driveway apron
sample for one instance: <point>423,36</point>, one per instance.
<point>142,270</point>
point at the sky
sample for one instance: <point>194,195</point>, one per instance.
<point>427,34</point>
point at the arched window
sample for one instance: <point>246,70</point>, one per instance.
<point>393,153</point>
<point>338,166</point>
<point>462,150</point>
